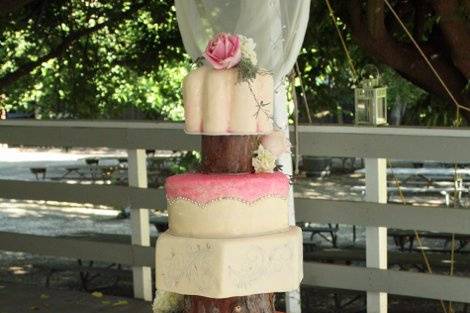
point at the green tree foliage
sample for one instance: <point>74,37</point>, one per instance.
<point>125,59</point>
<point>102,59</point>
<point>328,79</point>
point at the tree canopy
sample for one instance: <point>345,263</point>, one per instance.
<point>92,59</point>
<point>125,59</point>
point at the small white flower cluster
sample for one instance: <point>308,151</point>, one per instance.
<point>265,161</point>
<point>271,147</point>
<point>168,302</point>
<point>247,46</point>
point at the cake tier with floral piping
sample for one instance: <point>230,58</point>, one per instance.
<point>229,267</point>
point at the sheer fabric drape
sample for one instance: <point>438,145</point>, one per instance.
<point>276,26</point>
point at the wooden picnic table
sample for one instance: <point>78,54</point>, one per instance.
<point>39,172</point>
<point>320,231</point>
<point>404,239</point>
<point>87,270</point>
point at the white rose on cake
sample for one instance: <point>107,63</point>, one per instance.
<point>265,161</point>
<point>248,46</point>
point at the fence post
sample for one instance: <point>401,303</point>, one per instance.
<point>376,237</point>
<point>140,228</point>
<point>3,116</point>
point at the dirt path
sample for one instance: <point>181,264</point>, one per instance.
<point>21,299</point>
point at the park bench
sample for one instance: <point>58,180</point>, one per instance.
<point>92,170</point>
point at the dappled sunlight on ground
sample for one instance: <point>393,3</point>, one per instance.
<point>335,187</point>
<point>55,218</point>
<point>22,155</point>
<point>20,270</point>
<point>17,208</point>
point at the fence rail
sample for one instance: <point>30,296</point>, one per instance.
<point>438,219</point>
<point>78,248</point>
<point>115,196</point>
<point>389,281</point>
<point>368,142</point>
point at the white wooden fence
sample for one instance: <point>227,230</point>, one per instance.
<point>373,144</point>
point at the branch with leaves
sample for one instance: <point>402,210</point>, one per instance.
<point>373,34</point>
<point>58,50</point>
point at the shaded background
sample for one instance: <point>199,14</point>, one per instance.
<point>125,60</point>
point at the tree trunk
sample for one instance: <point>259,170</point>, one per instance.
<point>371,34</point>
<point>261,303</point>
<point>229,154</point>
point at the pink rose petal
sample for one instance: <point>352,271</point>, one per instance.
<point>223,51</point>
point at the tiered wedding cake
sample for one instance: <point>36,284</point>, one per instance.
<point>228,233</point>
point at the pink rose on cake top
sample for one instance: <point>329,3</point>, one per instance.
<point>229,95</point>
<point>223,52</point>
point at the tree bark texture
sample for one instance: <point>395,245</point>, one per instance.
<point>229,154</point>
<point>260,303</point>
<point>447,46</point>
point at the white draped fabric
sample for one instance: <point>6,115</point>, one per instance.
<point>276,26</point>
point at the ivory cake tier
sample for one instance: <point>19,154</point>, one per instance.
<point>229,267</point>
<point>227,205</point>
<point>216,103</point>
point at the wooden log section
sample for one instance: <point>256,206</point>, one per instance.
<point>261,303</point>
<point>229,154</point>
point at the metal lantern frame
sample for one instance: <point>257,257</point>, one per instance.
<point>370,102</point>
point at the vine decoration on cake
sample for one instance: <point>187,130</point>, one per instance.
<point>270,148</point>
<point>226,51</point>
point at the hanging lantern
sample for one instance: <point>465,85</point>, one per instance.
<point>370,102</point>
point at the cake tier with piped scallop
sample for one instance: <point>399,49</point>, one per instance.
<point>227,205</point>
<point>217,103</point>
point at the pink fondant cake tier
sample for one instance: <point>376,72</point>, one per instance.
<point>216,103</point>
<point>203,188</point>
<point>227,205</point>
